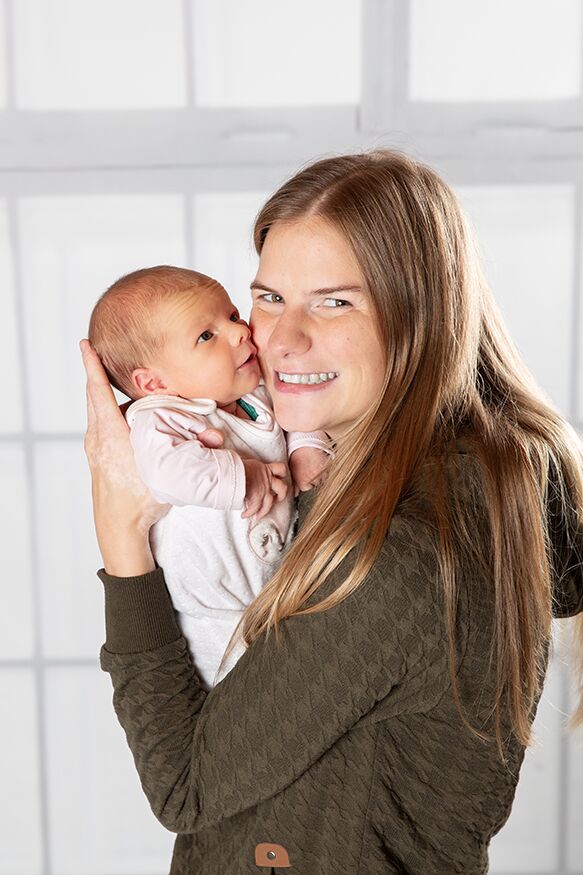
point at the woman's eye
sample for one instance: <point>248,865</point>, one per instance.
<point>271,298</point>
<point>335,302</point>
<point>206,335</point>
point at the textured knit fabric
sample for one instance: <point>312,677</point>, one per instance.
<point>215,561</point>
<point>341,743</point>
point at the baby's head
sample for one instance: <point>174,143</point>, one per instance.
<point>170,331</point>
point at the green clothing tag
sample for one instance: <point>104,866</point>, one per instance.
<point>249,410</point>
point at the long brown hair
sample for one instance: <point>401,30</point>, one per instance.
<point>451,371</point>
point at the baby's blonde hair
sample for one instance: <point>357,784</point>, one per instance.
<point>122,328</point>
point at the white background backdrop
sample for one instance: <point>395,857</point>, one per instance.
<point>138,132</point>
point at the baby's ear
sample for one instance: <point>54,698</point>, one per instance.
<point>147,382</point>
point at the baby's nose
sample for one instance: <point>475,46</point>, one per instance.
<point>241,332</point>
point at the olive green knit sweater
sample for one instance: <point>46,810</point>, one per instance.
<point>341,746</point>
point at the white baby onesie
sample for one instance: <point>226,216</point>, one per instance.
<point>214,562</point>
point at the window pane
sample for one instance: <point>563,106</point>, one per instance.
<point>579,387</point>
<point>78,54</point>
<point>16,620</point>
<point>261,53</point>
<point>11,408</point>
<point>73,249</point>
<point>529,841</point>
<point>500,50</point>
<point>20,834</point>
<point>100,819</point>
<point>71,594</point>
<point>223,245</point>
<point>526,239</point>
<point>2,58</point>
<point>575,792</point>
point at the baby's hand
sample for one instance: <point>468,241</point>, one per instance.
<point>266,483</point>
<point>307,466</point>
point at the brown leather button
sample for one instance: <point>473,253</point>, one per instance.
<point>268,854</point>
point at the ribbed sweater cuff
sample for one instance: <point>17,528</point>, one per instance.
<point>139,615</point>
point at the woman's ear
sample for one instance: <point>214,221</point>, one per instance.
<point>148,382</point>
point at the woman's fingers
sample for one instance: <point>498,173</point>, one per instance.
<point>123,508</point>
<point>99,391</point>
<point>107,442</point>
<point>85,347</point>
<point>92,363</point>
<point>107,436</point>
<point>90,408</point>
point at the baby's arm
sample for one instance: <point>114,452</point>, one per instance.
<point>179,469</point>
<point>309,454</point>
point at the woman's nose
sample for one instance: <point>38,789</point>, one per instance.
<point>289,336</point>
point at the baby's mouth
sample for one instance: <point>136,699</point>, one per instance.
<point>250,358</point>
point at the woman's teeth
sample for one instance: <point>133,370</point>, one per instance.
<point>307,378</point>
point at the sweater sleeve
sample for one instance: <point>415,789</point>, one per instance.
<point>178,469</point>
<point>318,440</point>
<point>204,757</point>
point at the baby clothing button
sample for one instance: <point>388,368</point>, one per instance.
<point>271,855</point>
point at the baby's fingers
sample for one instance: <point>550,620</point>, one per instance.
<point>278,469</point>
<point>253,505</point>
<point>278,488</point>
<point>211,437</point>
<point>278,480</point>
<point>266,505</point>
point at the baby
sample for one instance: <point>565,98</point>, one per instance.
<point>172,340</point>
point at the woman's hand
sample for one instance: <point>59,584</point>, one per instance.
<point>123,509</point>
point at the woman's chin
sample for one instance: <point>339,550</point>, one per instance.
<point>304,409</point>
<point>295,420</point>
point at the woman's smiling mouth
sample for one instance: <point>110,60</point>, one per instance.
<point>307,378</point>
<point>289,382</point>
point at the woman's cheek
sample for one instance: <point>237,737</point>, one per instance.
<point>258,337</point>
<point>255,329</point>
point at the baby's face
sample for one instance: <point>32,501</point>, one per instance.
<point>208,353</point>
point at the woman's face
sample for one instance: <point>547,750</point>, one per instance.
<point>314,326</point>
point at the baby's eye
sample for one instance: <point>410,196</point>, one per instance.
<point>206,335</point>
<point>335,302</point>
<point>234,317</point>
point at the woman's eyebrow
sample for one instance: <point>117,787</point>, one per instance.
<point>324,291</point>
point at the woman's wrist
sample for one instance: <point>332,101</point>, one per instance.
<point>126,554</point>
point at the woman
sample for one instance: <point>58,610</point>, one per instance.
<point>382,727</point>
